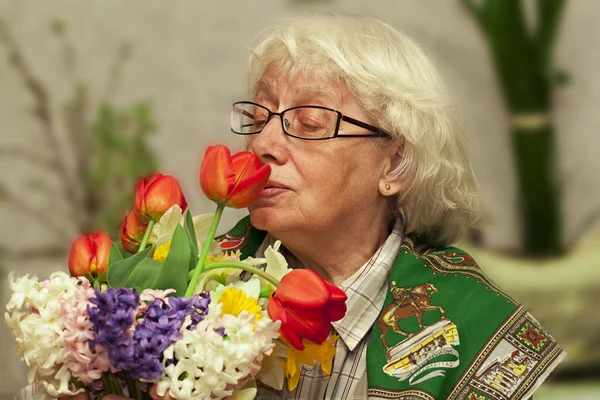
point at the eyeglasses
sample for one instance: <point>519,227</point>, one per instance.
<point>303,122</point>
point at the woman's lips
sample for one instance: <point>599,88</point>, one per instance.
<point>272,190</point>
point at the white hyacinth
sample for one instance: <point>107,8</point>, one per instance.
<point>34,315</point>
<point>213,366</point>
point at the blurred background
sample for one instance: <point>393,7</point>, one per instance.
<point>95,94</point>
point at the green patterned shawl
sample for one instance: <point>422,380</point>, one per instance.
<point>448,331</point>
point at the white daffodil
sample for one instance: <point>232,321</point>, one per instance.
<point>163,230</point>
<point>272,373</point>
<point>277,265</point>
<point>244,394</point>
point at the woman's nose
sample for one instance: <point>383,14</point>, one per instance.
<point>270,145</point>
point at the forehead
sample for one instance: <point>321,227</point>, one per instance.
<point>276,83</point>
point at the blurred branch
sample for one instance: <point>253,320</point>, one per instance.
<point>41,215</point>
<point>59,27</point>
<point>114,73</point>
<point>56,200</point>
<point>40,160</point>
<point>41,109</point>
<point>76,125</point>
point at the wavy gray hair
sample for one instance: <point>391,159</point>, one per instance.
<point>399,89</point>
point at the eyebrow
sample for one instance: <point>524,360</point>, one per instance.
<point>328,95</point>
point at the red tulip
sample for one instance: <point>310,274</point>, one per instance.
<point>155,196</point>
<point>306,304</point>
<point>89,255</point>
<point>234,181</point>
<point>132,232</point>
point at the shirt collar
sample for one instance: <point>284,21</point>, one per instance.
<point>366,288</point>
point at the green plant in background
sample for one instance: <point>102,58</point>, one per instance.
<point>523,61</point>
<point>103,154</point>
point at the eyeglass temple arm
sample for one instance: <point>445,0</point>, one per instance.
<point>374,129</point>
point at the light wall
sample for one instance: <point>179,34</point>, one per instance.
<point>189,59</point>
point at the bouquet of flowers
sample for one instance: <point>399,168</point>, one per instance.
<point>171,309</point>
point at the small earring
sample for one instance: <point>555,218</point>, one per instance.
<point>387,187</point>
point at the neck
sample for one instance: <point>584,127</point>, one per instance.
<point>337,253</point>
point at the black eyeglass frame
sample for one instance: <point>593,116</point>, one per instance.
<point>376,132</point>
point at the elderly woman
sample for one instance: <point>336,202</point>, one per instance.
<point>370,184</point>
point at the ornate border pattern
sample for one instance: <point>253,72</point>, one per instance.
<point>509,367</point>
<point>412,394</point>
<point>449,261</point>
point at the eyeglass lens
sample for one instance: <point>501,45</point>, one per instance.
<point>303,122</point>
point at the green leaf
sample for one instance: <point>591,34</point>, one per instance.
<point>193,241</point>
<point>115,255</point>
<point>174,271</point>
<point>120,271</point>
<point>144,274</point>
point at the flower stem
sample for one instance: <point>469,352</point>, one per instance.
<point>138,392</point>
<point>106,383</point>
<point>239,265</point>
<point>209,238</point>
<point>146,235</point>
<point>130,387</point>
<point>116,385</point>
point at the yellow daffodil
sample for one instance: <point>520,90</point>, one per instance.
<point>161,252</point>
<point>321,353</point>
<point>234,301</point>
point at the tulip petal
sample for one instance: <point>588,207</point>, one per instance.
<point>277,313</point>
<point>80,256</point>
<point>336,307</point>
<point>291,337</point>
<point>244,164</point>
<point>132,228</point>
<point>335,293</point>
<point>217,175</point>
<point>129,245</point>
<point>161,194</point>
<point>336,310</point>
<point>138,202</point>
<point>248,190</point>
<point>307,324</point>
<point>303,288</point>
<point>101,244</point>
<point>323,333</point>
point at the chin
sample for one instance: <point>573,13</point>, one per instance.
<point>268,219</point>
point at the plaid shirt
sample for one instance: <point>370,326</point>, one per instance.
<point>366,290</point>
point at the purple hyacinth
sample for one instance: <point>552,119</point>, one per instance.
<point>142,354</point>
<point>113,315</point>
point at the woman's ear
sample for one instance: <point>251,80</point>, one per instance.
<point>390,185</point>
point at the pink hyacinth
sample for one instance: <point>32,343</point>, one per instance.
<point>85,364</point>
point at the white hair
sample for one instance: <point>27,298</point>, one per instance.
<point>399,89</point>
